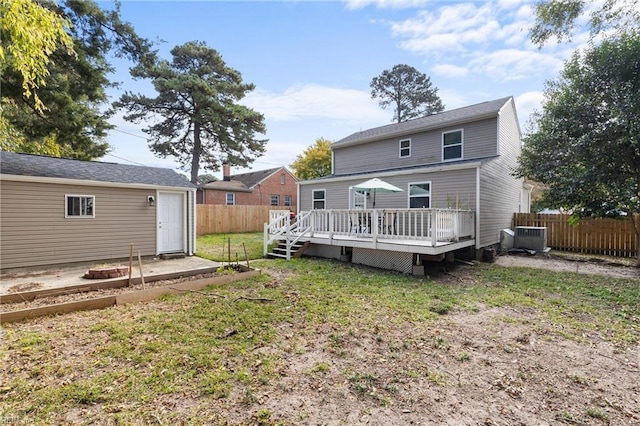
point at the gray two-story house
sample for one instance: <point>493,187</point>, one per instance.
<point>454,189</point>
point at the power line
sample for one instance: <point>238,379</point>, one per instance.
<point>130,134</point>
<point>125,159</point>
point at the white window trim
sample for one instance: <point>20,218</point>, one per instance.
<point>85,216</point>
<point>226,198</point>
<point>277,197</point>
<point>290,203</point>
<point>283,178</point>
<point>400,148</point>
<point>461,145</point>
<point>313,198</point>
<point>415,196</point>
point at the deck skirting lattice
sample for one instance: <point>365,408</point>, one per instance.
<point>385,259</point>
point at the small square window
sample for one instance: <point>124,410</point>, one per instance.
<point>275,200</point>
<point>79,206</point>
<point>231,198</point>
<point>405,148</point>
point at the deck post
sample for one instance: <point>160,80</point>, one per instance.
<point>434,227</point>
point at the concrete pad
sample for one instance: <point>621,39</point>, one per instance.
<point>29,279</point>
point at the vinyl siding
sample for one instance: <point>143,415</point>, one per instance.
<point>34,231</point>
<point>446,186</point>
<point>499,190</point>
<point>426,148</point>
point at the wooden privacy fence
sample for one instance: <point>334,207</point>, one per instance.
<point>613,237</point>
<point>215,219</point>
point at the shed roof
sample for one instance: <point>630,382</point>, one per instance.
<point>447,118</point>
<point>12,163</point>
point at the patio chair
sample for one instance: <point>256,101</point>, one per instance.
<point>358,223</point>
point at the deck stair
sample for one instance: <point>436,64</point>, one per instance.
<point>297,249</point>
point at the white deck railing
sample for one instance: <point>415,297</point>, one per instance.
<point>430,225</point>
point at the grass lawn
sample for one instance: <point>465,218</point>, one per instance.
<point>218,246</point>
<point>314,341</point>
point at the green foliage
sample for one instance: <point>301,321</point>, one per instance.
<point>73,113</point>
<point>559,18</point>
<point>408,90</point>
<point>314,162</point>
<point>27,51</point>
<point>585,146</point>
<point>200,119</point>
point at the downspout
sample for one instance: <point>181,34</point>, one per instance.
<point>477,232</point>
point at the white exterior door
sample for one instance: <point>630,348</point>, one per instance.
<point>170,222</point>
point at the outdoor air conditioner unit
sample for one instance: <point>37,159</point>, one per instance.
<point>531,237</point>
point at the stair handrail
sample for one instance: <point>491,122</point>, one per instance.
<point>300,231</point>
<point>278,217</point>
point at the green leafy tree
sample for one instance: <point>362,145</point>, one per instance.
<point>26,51</point>
<point>206,178</point>
<point>408,90</point>
<point>314,162</point>
<point>73,119</point>
<point>198,119</point>
<point>558,18</point>
<point>585,144</point>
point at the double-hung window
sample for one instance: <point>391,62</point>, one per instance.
<point>231,198</point>
<point>287,200</point>
<point>275,200</point>
<point>452,145</point>
<point>420,195</point>
<point>405,148</point>
<point>319,198</point>
<point>79,206</point>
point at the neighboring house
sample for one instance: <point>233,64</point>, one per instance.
<point>55,210</point>
<point>458,191</point>
<point>275,187</point>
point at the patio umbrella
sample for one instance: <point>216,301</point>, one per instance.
<point>376,185</point>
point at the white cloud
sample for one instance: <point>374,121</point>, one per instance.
<point>513,64</point>
<point>315,101</point>
<point>450,71</point>
<point>384,4</point>
<point>526,104</point>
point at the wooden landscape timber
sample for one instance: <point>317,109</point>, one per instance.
<point>120,299</point>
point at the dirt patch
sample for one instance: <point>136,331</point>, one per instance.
<point>578,264</point>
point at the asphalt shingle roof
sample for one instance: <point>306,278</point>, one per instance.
<point>12,163</point>
<point>242,181</point>
<point>446,118</point>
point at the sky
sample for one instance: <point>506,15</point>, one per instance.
<point>312,62</point>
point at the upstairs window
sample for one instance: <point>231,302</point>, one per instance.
<point>405,148</point>
<point>319,199</point>
<point>452,145</point>
<point>287,200</point>
<point>282,179</point>
<point>275,200</point>
<point>79,206</point>
<point>231,198</point>
<point>420,195</point>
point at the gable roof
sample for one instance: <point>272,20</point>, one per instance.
<point>447,118</point>
<point>19,164</point>
<point>244,181</point>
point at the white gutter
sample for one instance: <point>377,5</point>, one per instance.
<point>64,181</point>
<point>412,171</point>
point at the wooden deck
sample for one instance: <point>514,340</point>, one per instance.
<point>423,231</point>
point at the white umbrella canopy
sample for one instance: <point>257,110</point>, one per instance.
<point>376,185</point>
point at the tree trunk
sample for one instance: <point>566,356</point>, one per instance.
<point>195,157</point>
